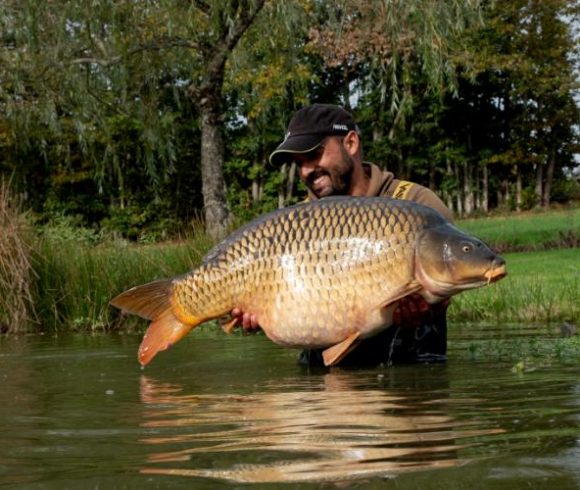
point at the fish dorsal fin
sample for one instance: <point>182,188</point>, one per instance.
<point>333,355</point>
<point>148,300</point>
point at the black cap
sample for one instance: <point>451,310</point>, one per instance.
<point>308,128</point>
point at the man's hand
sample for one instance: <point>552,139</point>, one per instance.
<point>248,322</point>
<point>413,311</point>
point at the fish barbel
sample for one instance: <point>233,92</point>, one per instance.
<point>322,274</point>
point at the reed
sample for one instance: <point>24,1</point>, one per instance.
<point>16,299</point>
<point>75,282</point>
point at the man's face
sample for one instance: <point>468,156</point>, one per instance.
<point>326,170</point>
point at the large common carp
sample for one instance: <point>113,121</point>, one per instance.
<point>321,274</point>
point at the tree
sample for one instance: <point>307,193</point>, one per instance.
<point>267,80</point>
<point>228,23</point>
<point>71,66</point>
<point>523,66</point>
<point>398,60</point>
<point>391,42</point>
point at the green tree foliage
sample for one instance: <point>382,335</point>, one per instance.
<point>523,61</point>
<point>79,71</point>
<point>136,117</point>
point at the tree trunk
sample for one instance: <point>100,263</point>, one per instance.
<point>539,182</point>
<point>485,189</point>
<point>287,188</point>
<point>255,190</point>
<point>549,177</point>
<point>458,200</point>
<point>477,188</point>
<point>449,194</point>
<point>432,171</point>
<point>216,211</point>
<point>206,94</point>
<point>467,189</point>
<point>281,194</point>
<point>519,199</point>
<point>290,182</point>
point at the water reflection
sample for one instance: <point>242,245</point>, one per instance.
<point>322,428</point>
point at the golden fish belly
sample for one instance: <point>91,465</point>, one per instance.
<point>319,297</point>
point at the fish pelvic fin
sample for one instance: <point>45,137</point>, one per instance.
<point>153,302</point>
<point>228,327</point>
<point>333,355</point>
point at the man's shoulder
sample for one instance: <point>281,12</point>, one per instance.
<point>410,191</point>
<point>422,195</point>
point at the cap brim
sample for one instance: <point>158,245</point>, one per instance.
<point>302,143</point>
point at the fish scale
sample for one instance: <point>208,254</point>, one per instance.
<point>315,275</point>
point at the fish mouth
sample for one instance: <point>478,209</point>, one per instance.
<point>496,272</point>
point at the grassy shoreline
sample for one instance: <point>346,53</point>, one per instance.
<point>72,281</point>
<point>529,231</point>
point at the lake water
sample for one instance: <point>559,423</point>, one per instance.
<point>238,412</point>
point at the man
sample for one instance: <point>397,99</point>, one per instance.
<point>324,142</point>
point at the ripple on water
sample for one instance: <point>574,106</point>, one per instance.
<point>336,430</point>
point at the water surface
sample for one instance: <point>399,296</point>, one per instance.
<point>237,411</point>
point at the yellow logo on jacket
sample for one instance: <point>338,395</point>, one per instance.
<point>402,189</point>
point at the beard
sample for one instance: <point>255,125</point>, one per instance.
<point>335,181</point>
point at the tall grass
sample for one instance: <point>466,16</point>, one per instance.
<point>16,298</point>
<point>75,281</point>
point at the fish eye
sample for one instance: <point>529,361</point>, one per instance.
<point>466,248</point>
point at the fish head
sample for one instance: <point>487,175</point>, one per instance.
<point>448,261</point>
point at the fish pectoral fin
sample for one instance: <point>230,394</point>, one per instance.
<point>401,293</point>
<point>162,333</point>
<point>333,355</point>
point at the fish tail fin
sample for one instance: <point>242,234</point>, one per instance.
<point>153,302</point>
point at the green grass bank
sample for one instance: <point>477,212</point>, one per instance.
<point>529,231</point>
<point>541,287</point>
<point>70,281</point>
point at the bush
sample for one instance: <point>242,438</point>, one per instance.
<point>565,191</point>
